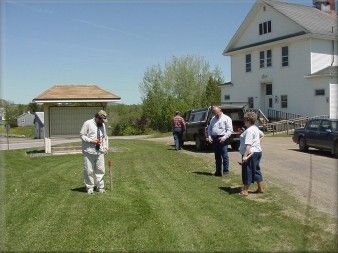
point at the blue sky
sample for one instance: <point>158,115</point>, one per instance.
<point>109,43</point>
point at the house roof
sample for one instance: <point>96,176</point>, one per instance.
<point>226,84</point>
<point>310,19</point>
<point>76,93</point>
<point>328,71</point>
<point>26,114</point>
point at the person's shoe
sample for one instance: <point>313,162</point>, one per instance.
<point>225,174</point>
<point>90,191</point>
<point>217,175</point>
<point>102,191</point>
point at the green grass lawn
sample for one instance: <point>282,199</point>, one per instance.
<point>162,200</point>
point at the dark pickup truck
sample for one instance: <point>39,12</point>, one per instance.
<point>318,133</point>
<point>197,122</point>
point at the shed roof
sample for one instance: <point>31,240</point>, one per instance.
<point>76,93</point>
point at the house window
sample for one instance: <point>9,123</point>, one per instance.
<point>270,102</point>
<point>284,101</point>
<point>285,56</point>
<point>251,102</point>
<point>268,89</point>
<point>262,59</point>
<point>320,92</point>
<point>269,58</point>
<point>226,97</point>
<point>265,27</point>
<point>248,63</point>
<point>260,29</point>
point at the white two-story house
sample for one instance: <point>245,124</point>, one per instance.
<point>284,59</point>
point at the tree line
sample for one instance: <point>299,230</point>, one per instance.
<point>183,83</point>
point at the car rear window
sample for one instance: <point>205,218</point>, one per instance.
<point>198,116</point>
<point>234,115</point>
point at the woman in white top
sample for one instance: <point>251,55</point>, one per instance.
<point>251,151</point>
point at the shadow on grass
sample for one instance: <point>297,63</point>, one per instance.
<point>192,148</point>
<point>231,190</point>
<point>203,173</point>
<point>209,149</point>
<point>316,152</point>
<point>80,189</point>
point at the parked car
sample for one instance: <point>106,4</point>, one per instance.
<point>197,122</point>
<point>318,133</point>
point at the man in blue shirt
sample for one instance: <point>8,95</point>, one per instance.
<point>219,130</point>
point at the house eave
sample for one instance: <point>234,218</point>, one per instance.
<point>298,35</point>
<point>48,101</point>
<point>319,76</point>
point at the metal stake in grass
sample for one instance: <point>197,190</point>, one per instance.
<point>110,174</point>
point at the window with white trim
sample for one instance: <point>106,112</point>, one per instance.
<point>264,28</point>
<point>320,92</point>
<point>285,56</point>
<point>248,63</point>
<point>284,101</point>
<point>265,58</point>
<point>269,58</point>
<point>251,102</point>
<point>262,59</point>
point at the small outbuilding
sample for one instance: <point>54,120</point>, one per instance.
<point>66,107</point>
<point>25,119</point>
<point>39,123</point>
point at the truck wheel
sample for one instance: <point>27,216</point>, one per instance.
<point>235,146</point>
<point>199,144</point>
<point>335,153</point>
<point>302,145</point>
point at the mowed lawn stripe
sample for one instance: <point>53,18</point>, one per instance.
<point>158,203</point>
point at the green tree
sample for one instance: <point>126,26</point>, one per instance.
<point>213,92</point>
<point>180,85</point>
<point>12,112</point>
<point>34,107</point>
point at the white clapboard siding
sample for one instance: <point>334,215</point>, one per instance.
<point>333,101</point>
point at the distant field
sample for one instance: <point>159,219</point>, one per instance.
<point>27,131</point>
<point>162,200</point>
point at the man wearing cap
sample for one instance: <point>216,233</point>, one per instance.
<point>94,147</point>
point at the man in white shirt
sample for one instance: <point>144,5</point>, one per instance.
<point>94,147</point>
<point>219,130</point>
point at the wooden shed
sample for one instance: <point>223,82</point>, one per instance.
<point>66,107</point>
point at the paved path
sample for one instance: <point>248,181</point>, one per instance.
<point>311,177</point>
<point>20,143</point>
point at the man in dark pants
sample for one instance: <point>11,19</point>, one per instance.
<point>178,126</point>
<point>219,130</point>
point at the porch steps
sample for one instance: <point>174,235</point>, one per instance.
<point>288,126</point>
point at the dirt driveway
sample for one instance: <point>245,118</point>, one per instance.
<point>312,177</point>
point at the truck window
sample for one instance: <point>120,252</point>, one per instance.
<point>326,124</point>
<point>313,125</point>
<point>198,116</point>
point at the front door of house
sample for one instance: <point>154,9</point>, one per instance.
<point>268,97</point>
